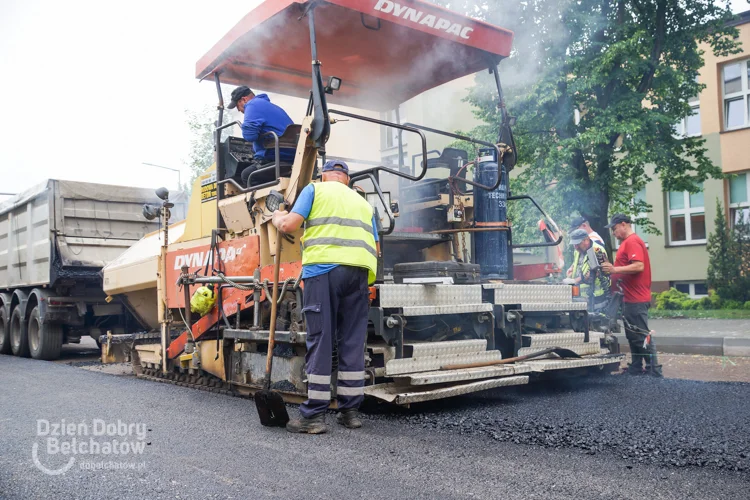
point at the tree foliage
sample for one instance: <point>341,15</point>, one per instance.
<point>729,259</point>
<point>201,123</point>
<point>597,87</point>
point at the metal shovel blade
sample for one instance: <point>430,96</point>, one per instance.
<point>271,409</point>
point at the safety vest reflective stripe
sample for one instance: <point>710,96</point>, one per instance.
<point>339,221</point>
<point>341,242</point>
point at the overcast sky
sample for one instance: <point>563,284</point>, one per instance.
<point>90,88</point>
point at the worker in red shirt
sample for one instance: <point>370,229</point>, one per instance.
<point>632,266</point>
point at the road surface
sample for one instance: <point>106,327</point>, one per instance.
<point>614,437</point>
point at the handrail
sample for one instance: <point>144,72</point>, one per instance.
<point>391,219</point>
<point>546,216</point>
<point>381,168</point>
<point>276,166</point>
<point>475,141</point>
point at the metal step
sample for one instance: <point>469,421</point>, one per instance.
<point>444,376</point>
<point>434,362</point>
<point>446,309</point>
<point>546,365</point>
<point>581,349</point>
<point>550,306</point>
<point>509,293</point>
<point>398,394</point>
<point>562,339</point>
<point>420,349</point>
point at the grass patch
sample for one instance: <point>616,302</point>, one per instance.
<point>710,313</point>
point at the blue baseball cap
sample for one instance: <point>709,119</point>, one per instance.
<point>336,166</point>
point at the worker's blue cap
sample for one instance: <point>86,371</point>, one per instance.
<point>336,166</point>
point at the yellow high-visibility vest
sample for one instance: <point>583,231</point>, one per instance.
<point>602,283</point>
<point>339,229</point>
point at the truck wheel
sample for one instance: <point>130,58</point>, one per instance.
<point>19,340</point>
<point>45,339</point>
<point>4,333</point>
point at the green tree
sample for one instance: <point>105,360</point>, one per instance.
<point>722,263</point>
<point>201,155</point>
<point>729,259</point>
<point>597,87</point>
<point>201,123</point>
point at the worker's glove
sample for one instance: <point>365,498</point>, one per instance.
<point>569,281</point>
<point>203,300</point>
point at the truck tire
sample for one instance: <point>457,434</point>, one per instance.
<point>19,340</point>
<point>4,333</point>
<point>45,339</point>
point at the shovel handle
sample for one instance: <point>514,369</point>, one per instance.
<point>274,307</point>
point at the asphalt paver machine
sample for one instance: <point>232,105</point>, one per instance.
<point>445,309</point>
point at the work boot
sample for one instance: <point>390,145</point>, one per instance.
<point>634,369</point>
<point>349,418</point>
<point>312,425</point>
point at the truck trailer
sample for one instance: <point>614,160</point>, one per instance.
<point>54,240</point>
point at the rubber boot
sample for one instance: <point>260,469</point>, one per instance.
<point>349,419</point>
<point>312,425</point>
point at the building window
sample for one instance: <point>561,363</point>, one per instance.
<point>739,199</point>
<point>736,94</point>
<point>694,289</point>
<point>690,126</point>
<point>687,218</point>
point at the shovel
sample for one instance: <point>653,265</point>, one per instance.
<point>563,353</point>
<point>270,404</point>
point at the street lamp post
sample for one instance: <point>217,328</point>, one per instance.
<point>179,179</point>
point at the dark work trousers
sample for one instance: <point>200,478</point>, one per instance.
<point>636,329</point>
<point>335,309</point>
<point>245,175</point>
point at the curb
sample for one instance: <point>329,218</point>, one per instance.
<point>707,346</point>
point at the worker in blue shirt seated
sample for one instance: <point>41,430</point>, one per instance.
<point>261,117</point>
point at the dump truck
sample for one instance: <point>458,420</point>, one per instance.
<point>448,304</point>
<point>54,240</point>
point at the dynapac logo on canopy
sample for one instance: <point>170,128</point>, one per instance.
<point>419,17</point>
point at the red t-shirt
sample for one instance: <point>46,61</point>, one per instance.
<point>637,287</point>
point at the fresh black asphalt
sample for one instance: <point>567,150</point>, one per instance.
<point>612,438</point>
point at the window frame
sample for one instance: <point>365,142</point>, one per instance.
<point>743,94</point>
<point>740,204</point>
<point>681,130</point>
<point>686,212</point>
<point>390,134</point>
<point>691,288</point>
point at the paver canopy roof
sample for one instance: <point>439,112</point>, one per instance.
<point>385,51</point>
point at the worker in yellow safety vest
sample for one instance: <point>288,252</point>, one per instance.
<point>581,273</point>
<point>340,253</point>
